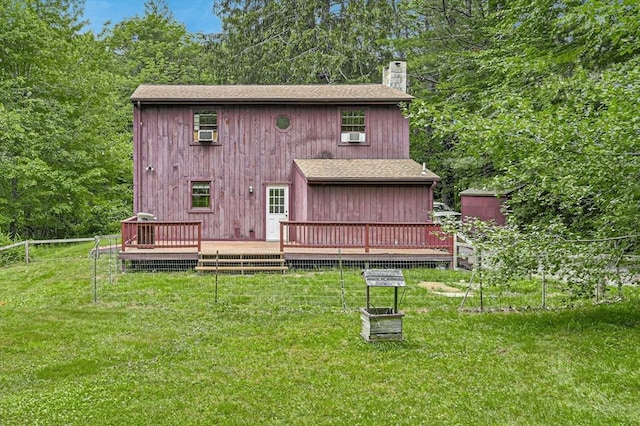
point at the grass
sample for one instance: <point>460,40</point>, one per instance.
<point>158,349</point>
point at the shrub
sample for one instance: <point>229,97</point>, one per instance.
<point>9,256</point>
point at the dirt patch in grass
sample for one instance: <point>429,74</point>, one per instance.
<point>436,286</point>
<point>442,289</point>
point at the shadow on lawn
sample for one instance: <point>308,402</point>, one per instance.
<point>611,316</point>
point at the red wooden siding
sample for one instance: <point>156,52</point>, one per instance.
<point>485,207</point>
<point>368,203</point>
<point>299,207</point>
<point>253,152</point>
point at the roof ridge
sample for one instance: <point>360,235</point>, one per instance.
<point>324,93</point>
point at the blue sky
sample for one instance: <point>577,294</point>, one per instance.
<point>197,15</point>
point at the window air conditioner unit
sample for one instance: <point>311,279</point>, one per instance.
<point>206,135</point>
<point>353,137</point>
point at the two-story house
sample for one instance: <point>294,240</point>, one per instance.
<point>241,159</point>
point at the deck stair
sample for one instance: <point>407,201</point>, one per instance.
<point>242,263</point>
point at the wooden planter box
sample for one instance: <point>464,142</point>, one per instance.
<point>381,324</point>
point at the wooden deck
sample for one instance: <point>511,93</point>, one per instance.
<point>245,247</point>
<point>291,254</point>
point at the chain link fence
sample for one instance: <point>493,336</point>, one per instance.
<point>307,284</point>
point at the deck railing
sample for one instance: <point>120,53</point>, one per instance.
<point>160,234</point>
<point>364,235</point>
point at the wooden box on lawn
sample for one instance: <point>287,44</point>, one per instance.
<point>382,324</point>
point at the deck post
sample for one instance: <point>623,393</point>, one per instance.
<point>366,238</point>
<point>281,237</point>
<point>451,238</point>
<point>426,235</point>
<point>451,242</point>
<point>454,255</point>
<point>200,237</point>
<point>124,238</point>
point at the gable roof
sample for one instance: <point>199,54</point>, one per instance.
<point>364,171</point>
<point>270,94</point>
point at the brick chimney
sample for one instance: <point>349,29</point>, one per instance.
<point>395,75</point>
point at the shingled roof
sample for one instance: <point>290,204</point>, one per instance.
<point>270,94</point>
<point>364,170</point>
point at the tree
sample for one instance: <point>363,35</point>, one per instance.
<point>294,42</point>
<point>57,153</point>
<point>439,39</point>
<point>156,49</point>
<point>545,103</point>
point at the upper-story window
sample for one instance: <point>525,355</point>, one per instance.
<point>205,126</point>
<point>353,126</point>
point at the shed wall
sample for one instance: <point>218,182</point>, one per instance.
<point>485,208</point>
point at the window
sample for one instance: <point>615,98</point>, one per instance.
<point>352,120</point>
<point>353,127</point>
<point>205,126</point>
<point>200,195</point>
<point>277,202</point>
<point>283,122</point>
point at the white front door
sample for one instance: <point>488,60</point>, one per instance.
<point>277,210</point>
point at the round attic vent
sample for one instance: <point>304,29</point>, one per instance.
<point>283,122</point>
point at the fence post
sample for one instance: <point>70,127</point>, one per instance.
<point>216,288</point>
<point>96,245</point>
<point>344,303</point>
<point>96,256</point>
<point>111,258</point>
<point>544,289</point>
<point>26,252</point>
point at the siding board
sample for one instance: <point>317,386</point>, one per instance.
<point>360,203</point>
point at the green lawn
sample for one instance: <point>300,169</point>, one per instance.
<point>158,349</point>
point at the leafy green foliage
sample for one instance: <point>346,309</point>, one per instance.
<point>541,98</point>
<point>156,49</point>
<point>320,41</point>
<point>12,255</point>
<point>504,255</point>
<point>59,153</point>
